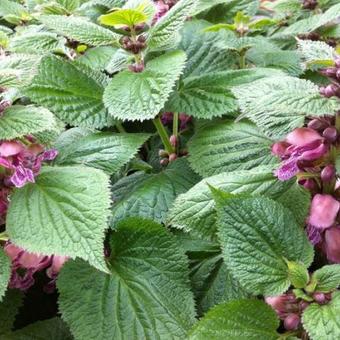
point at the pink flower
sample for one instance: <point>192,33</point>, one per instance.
<point>332,244</point>
<point>323,211</point>
<point>57,264</point>
<point>10,148</point>
<point>302,136</point>
<point>283,304</point>
<point>292,322</point>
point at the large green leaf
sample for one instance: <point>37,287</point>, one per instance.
<point>194,210</point>
<point>5,272</point>
<point>52,329</point>
<point>258,235</point>
<point>140,96</point>
<point>322,321</point>
<point>165,33</point>
<point>151,195</point>
<point>238,320</point>
<point>65,213</point>
<point>226,146</point>
<point>73,94</point>
<point>17,121</point>
<point>278,105</point>
<point>79,29</point>
<point>146,295</point>
<point>209,95</point>
<point>327,278</point>
<point>101,150</point>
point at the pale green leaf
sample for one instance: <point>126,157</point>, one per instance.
<point>5,272</point>
<point>12,8</point>
<point>97,58</point>
<point>123,17</point>
<point>140,96</point>
<point>65,213</point>
<point>327,278</point>
<point>146,295</point>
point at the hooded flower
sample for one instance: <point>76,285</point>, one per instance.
<point>332,244</point>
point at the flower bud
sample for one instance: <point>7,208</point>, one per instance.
<point>309,184</point>
<point>323,211</point>
<point>136,68</point>
<point>164,161</point>
<point>316,124</point>
<point>329,72</point>
<point>330,134</point>
<point>172,157</point>
<point>163,154</point>
<point>173,140</point>
<point>292,322</point>
<point>337,62</point>
<point>302,136</point>
<point>320,298</point>
<point>332,244</point>
<point>328,173</point>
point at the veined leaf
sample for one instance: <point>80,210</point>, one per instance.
<point>327,278</point>
<point>13,8</point>
<point>123,17</point>
<point>80,29</point>
<point>140,96</point>
<point>194,210</point>
<point>238,320</point>
<point>146,295</point>
<point>65,213</point>
<point>278,105</point>
<point>322,321</point>
<point>151,195</point>
<point>258,235</point>
<point>101,150</point>
<point>226,146</point>
<point>97,58</point>
<point>18,121</point>
<point>73,94</point>
<point>5,272</point>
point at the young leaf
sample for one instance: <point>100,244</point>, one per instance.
<point>140,96</point>
<point>123,17</point>
<point>151,195</point>
<point>165,33</point>
<point>278,105</point>
<point>238,320</point>
<point>226,146</point>
<point>327,278</point>
<point>194,210</point>
<point>258,235</point>
<point>146,295</point>
<point>65,213</point>
<point>5,272</point>
<point>18,121</point>
<point>101,150</point>
<point>321,321</point>
<point>79,29</point>
<point>73,94</point>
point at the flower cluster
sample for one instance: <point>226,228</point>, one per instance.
<point>184,119</point>
<point>333,73</point>
<point>309,4</point>
<point>25,265</point>
<point>162,7</point>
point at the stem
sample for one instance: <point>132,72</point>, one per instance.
<point>337,121</point>
<point>163,135</point>
<point>242,60</point>
<point>175,124</point>
<point>120,127</point>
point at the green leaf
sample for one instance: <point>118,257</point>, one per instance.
<point>322,321</point>
<point>123,17</point>
<point>165,33</point>
<point>70,5</point>
<point>5,272</point>
<point>238,320</point>
<point>146,295</point>
<point>18,121</point>
<point>194,210</point>
<point>79,29</point>
<point>73,94</point>
<point>101,150</point>
<point>151,195</point>
<point>52,329</point>
<point>298,274</point>
<point>226,146</point>
<point>209,95</point>
<point>278,105</point>
<point>37,43</point>
<point>258,235</point>
<point>140,96</point>
<point>9,308</point>
<point>97,58</point>
<point>327,278</point>
<point>13,8</point>
<point>65,213</point>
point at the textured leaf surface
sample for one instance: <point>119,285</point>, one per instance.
<point>79,29</point>
<point>73,94</point>
<point>52,329</point>
<point>195,209</point>
<point>65,213</point>
<point>147,294</point>
<point>327,278</point>
<point>5,272</point>
<point>105,151</point>
<point>322,321</point>
<point>238,320</point>
<point>278,105</point>
<point>257,235</point>
<point>151,195</point>
<point>9,307</point>
<point>165,33</point>
<point>18,121</point>
<point>140,96</point>
<point>226,146</point>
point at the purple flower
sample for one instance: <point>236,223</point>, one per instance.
<point>292,322</point>
<point>332,244</point>
<point>314,234</point>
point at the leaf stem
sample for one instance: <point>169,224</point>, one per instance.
<point>120,127</point>
<point>242,60</point>
<point>163,135</point>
